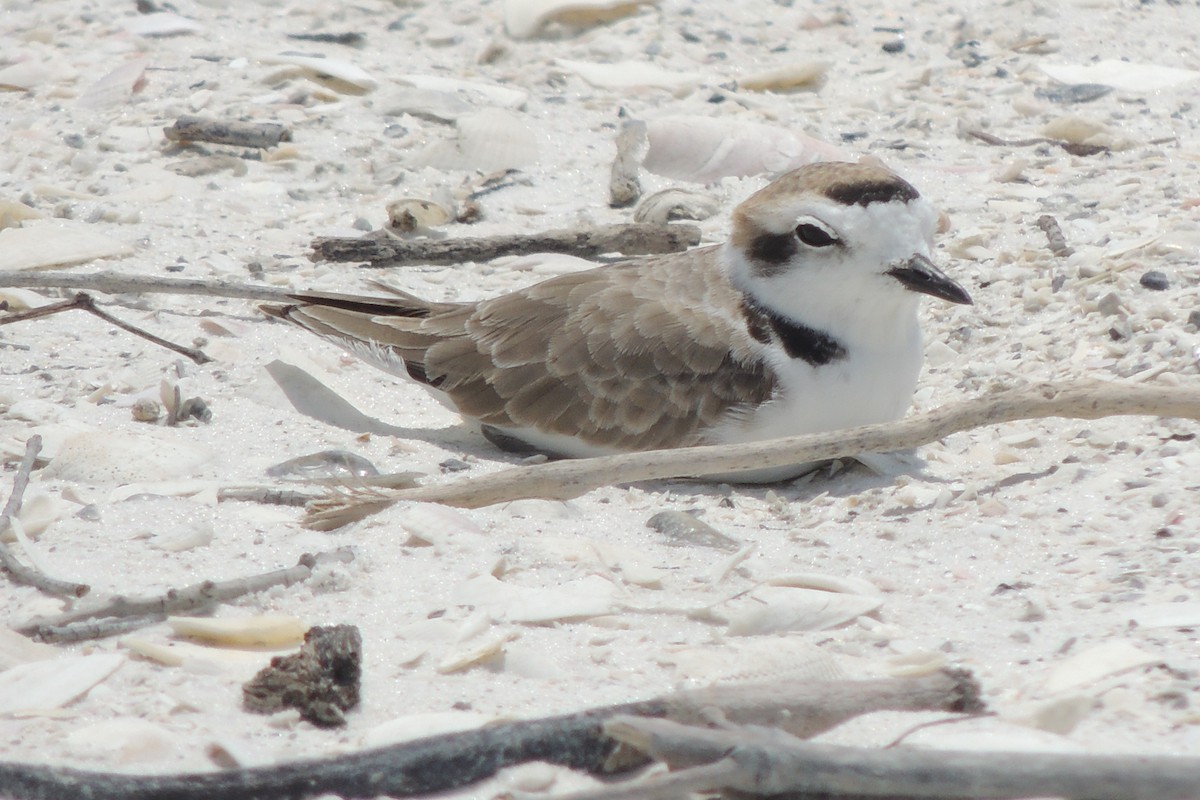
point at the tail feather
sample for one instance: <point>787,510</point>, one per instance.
<point>385,331</point>
<point>403,305</point>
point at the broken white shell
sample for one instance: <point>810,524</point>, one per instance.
<point>491,139</point>
<point>626,74</point>
<point>433,523</point>
<point>161,23</point>
<point>1059,715</point>
<point>429,104</point>
<point>1122,75</point>
<point>771,609</point>
<point>671,204</point>
<point>774,659</point>
<point>110,457</point>
<point>630,564</point>
<point>239,664</point>
<point>25,75</point>
<point>1101,661</point>
<point>122,741</point>
<point>526,18</point>
<point>624,186</point>
<point>116,87</point>
<point>410,214</point>
<point>419,726</point>
<point>579,599</point>
<point>794,77</point>
<point>17,649</point>
<point>44,685</point>
<point>476,652</point>
<point>1076,130</point>
<point>1167,615</point>
<point>702,150</point>
<point>13,213</point>
<point>55,243</point>
<point>846,584</point>
<point>38,512</point>
<point>338,74</point>
<point>266,630</point>
<point>477,93</point>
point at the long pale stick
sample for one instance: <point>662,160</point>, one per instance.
<point>562,480</point>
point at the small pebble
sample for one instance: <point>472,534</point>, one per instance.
<point>146,409</point>
<point>1194,319</point>
<point>454,465</point>
<point>894,46</point>
<point>1155,281</point>
<point>1109,305</point>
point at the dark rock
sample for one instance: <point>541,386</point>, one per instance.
<point>1155,281</point>
<point>322,681</point>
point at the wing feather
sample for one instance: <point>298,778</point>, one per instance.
<point>625,357</point>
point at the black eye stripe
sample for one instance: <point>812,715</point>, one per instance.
<point>814,235</point>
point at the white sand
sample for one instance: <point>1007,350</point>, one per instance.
<point>1037,555</point>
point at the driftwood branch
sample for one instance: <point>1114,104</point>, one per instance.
<point>116,283</point>
<point>440,763</point>
<point>19,570</point>
<point>85,302</point>
<point>563,480</point>
<point>237,134</point>
<point>629,238</point>
<point>120,614</point>
<point>769,763</point>
<point>1074,148</point>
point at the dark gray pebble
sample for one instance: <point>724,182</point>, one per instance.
<point>1155,281</point>
<point>1075,93</point>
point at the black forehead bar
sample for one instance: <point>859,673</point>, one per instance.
<point>863,193</point>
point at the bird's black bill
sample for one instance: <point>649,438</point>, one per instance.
<point>920,275</point>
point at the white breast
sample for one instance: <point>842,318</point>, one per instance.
<point>873,383</point>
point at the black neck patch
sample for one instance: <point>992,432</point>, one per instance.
<point>798,341</point>
<point>863,193</point>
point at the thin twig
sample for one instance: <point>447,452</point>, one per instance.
<point>197,597</point>
<point>88,304</point>
<point>563,480</point>
<point>85,302</point>
<point>264,495</point>
<point>21,572</point>
<point>100,629</point>
<point>769,763</point>
<point>632,238</point>
<point>449,761</point>
<point>1074,148</point>
<point>117,283</point>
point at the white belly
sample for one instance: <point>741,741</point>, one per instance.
<point>868,387</point>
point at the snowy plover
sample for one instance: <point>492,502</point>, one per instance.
<point>804,321</point>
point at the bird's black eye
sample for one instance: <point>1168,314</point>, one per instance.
<point>814,235</point>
